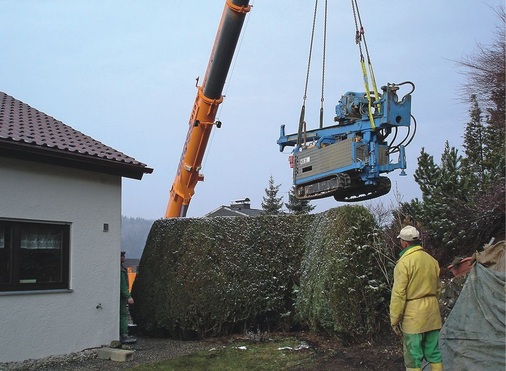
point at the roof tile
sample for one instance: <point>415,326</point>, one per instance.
<point>24,124</point>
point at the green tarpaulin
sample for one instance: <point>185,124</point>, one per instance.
<point>473,336</point>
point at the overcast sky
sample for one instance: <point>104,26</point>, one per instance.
<point>124,73</point>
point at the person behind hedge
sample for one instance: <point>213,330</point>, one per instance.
<point>414,306</point>
<point>125,299</point>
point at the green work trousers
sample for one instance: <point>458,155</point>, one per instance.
<point>123,318</point>
<point>416,347</point>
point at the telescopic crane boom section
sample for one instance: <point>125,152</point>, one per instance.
<point>204,110</point>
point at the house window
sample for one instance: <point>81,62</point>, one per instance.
<point>34,256</point>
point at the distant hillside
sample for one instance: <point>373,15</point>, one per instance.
<point>134,232</point>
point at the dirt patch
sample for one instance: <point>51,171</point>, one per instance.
<point>330,354</point>
<point>383,354</point>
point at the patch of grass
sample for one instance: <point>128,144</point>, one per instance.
<point>275,354</point>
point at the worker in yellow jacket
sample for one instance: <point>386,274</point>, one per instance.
<point>414,306</point>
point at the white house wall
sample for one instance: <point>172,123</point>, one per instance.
<point>36,324</point>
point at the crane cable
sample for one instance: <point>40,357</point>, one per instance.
<point>302,122</point>
<point>323,64</point>
<point>359,38</point>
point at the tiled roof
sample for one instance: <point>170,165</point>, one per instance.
<point>24,125</point>
<point>234,211</point>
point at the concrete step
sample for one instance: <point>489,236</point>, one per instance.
<point>118,355</point>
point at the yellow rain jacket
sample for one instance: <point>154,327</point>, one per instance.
<point>414,302</point>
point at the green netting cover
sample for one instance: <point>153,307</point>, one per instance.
<point>473,336</point>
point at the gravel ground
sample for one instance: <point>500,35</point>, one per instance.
<point>331,355</point>
<point>147,350</point>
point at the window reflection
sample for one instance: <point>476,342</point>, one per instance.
<point>33,256</point>
<point>40,259</point>
<point>34,238</point>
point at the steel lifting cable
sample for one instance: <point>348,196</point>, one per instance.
<point>323,64</point>
<point>359,37</point>
<point>302,122</point>
<point>369,63</point>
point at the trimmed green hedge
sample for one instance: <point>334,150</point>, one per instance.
<point>342,289</point>
<point>215,276</point>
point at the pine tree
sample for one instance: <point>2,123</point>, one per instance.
<point>486,79</point>
<point>485,85</point>
<point>461,207</point>
<point>296,206</point>
<point>473,142</point>
<point>484,145</point>
<point>494,135</point>
<point>271,204</point>
<point>427,174</point>
<point>444,210</point>
<point>463,197</point>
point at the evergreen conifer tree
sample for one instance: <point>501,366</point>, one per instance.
<point>463,197</point>
<point>473,142</point>
<point>271,204</point>
<point>296,206</point>
<point>446,192</point>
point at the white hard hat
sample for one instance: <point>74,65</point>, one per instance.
<point>409,233</point>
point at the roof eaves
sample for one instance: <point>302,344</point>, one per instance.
<point>45,154</point>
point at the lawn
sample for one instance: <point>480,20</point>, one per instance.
<point>272,354</point>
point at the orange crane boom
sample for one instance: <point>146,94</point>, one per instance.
<point>204,110</point>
